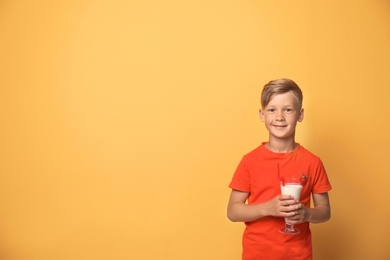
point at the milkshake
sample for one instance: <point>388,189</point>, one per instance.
<point>292,189</point>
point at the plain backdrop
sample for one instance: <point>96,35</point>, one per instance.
<point>122,122</point>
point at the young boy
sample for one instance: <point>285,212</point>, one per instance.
<point>256,180</point>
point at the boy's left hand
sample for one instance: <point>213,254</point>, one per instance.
<point>300,215</point>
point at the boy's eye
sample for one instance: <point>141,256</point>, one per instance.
<point>289,110</point>
<point>271,110</point>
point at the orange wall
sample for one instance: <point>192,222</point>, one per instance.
<point>122,122</point>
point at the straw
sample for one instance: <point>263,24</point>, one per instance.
<point>281,178</point>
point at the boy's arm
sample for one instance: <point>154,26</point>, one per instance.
<point>321,211</point>
<point>239,211</point>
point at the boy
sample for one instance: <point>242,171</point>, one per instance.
<point>256,180</point>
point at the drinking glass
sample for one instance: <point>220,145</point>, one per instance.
<point>293,187</point>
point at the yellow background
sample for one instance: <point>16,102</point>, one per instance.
<point>122,122</point>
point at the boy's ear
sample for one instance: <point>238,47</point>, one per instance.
<point>261,114</point>
<point>301,115</point>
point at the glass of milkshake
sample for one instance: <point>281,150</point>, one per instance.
<point>293,187</point>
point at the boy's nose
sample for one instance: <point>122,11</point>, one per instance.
<point>279,116</point>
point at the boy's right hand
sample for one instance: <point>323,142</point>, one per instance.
<point>282,206</point>
<point>279,206</point>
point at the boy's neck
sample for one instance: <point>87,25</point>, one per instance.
<point>281,146</point>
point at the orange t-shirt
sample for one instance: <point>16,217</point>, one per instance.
<point>258,174</point>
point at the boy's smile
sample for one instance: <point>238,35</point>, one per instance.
<point>281,116</point>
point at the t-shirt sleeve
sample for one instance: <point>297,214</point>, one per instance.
<point>241,178</point>
<point>321,181</point>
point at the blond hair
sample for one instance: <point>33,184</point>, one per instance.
<point>280,86</point>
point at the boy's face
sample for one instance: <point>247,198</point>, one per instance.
<point>281,115</point>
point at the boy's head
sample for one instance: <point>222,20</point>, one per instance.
<point>280,86</point>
